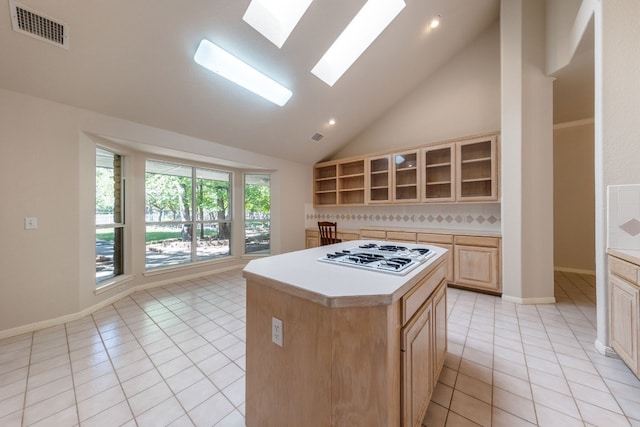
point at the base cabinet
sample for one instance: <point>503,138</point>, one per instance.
<point>624,311</point>
<point>424,347</point>
<point>417,362</point>
<point>476,263</point>
<point>473,261</point>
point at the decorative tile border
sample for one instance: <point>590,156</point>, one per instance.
<point>413,218</point>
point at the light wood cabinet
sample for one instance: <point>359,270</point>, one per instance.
<point>476,262</point>
<point>351,183</point>
<point>312,237</point>
<point>477,170</point>
<point>339,183</point>
<point>348,366</point>
<point>406,177</point>
<point>439,173</point>
<point>417,366</point>
<point>439,331</point>
<point>443,241</point>
<point>378,186</point>
<point>423,345</point>
<point>472,261</point>
<point>325,184</point>
<point>624,311</point>
<point>464,170</point>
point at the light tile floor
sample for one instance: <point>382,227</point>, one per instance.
<point>523,365</point>
<point>175,355</point>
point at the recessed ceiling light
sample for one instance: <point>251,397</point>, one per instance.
<point>221,62</point>
<point>435,22</point>
<point>332,122</point>
<point>363,29</point>
<point>275,19</point>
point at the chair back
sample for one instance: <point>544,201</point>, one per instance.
<point>328,233</point>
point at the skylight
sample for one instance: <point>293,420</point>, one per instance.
<point>275,19</point>
<point>228,66</point>
<point>363,29</point>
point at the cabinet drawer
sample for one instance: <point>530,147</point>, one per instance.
<point>401,236</point>
<point>488,242</point>
<point>435,238</point>
<point>413,299</point>
<point>373,234</point>
<point>346,236</point>
<point>623,269</point>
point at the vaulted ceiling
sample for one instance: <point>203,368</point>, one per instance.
<point>134,60</point>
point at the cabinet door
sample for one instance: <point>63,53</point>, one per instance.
<point>477,267</point>
<point>417,366</point>
<point>438,173</point>
<point>311,238</point>
<point>477,170</point>
<point>406,177</point>
<point>439,330</point>
<point>624,320</point>
<point>378,185</point>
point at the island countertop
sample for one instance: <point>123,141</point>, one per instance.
<point>300,274</point>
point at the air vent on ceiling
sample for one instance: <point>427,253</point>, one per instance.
<point>33,24</point>
<point>317,137</point>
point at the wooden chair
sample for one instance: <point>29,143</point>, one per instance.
<point>328,233</point>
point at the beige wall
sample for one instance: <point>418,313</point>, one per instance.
<point>460,99</point>
<point>47,171</point>
<point>574,197</point>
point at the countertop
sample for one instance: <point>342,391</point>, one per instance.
<point>456,232</point>
<point>632,256</point>
<point>300,273</point>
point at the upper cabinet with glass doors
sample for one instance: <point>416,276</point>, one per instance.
<point>406,177</point>
<point>477,170</point>
<point>439,173</point>
<point>463,170</point>
<point>378,185</point>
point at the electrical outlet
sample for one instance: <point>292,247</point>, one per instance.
<point>277,335</point>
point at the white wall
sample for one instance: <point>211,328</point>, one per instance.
<point>460,99</point>
<point>47,171</point>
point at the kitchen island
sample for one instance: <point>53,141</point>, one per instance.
<point>354,347</point>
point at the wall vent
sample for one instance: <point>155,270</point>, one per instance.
<point>33,24</point>
<point>317,137</point>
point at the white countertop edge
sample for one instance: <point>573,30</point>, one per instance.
<point>633,256</point>
<point>300,274</point>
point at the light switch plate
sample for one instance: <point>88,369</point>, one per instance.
<point>30,223</point>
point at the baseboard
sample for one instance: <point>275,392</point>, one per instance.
<point>7,333</point>
<point>575,270</point>
<point>605,349</point>
<point>529,301</point>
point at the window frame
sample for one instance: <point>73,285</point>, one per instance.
<point>119,227</point>
<point>194,223</point>
<point>245,218</point>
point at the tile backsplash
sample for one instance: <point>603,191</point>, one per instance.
<point>623,217</point>
<point>469,217</point>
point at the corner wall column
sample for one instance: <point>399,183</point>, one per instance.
<point>527,155</point>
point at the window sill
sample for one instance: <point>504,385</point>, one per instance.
<point>107,285</point>
<point>189,266</point>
